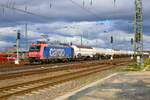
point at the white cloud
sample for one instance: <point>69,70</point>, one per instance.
<point>4,45</point>
<point>67,22</point>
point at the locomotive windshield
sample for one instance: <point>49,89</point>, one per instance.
<point>35,48</point>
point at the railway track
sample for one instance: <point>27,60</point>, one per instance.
<point>35,85</point>
<point>22,67</point>
<point>10,67</point>
<point>26,71</point>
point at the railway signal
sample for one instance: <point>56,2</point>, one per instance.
<point>18,35</point>
<point>17,47</point>
<point>51,3</point>
<point>83,3</point>
<point>132,41</point>
<point>91,2</point>
<point>112,41</point>
<point>114,2</point>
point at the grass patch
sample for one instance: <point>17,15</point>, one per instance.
<point>132,67</point>
<point>147,62</point>
<point>135,67</point>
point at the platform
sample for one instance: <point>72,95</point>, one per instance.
<point>119,86</point>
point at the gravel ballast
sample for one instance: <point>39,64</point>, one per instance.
<point>52,92</point>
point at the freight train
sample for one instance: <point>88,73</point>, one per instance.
<point>42,52</point>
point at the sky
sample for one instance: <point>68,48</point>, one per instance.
<point>67,20</point>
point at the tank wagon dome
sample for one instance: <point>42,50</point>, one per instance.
<point>82,47</point>
<point>58,45</point>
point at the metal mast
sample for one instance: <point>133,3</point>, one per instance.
<point>26,36</point>
<point>138,29</point>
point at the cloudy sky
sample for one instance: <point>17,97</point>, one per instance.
<point>67,20</point>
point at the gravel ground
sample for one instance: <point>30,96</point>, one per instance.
<point>50,93</point>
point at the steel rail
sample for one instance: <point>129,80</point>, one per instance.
<point>42,83</point>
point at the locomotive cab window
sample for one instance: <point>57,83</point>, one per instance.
<point>35,48</point>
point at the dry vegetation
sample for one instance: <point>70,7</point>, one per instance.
<point>135,67</point>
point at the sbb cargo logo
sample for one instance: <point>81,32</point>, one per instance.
<point>57,52</point>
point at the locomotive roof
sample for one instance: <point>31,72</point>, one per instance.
<point>58,45</point>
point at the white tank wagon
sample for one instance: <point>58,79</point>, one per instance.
<point>83,51</point>
<point>99,53</point>
<point>122,53</point>
<point>102,53</point>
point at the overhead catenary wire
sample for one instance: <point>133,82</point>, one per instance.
<point>3,11</point>
<point>83,3</point>
<point>10,3</point>
<point>23,11</point>
<point>42,16</point>
<point>26,8</point>
<point>51,3</point>
<point>7,3</point>
<point>91,2</point>
<point>114,2</point>
<point>13,5</point>
<point>85,9</point>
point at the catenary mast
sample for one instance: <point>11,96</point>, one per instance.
<point>138,29</point>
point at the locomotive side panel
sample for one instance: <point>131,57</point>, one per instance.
<point>58,52</point>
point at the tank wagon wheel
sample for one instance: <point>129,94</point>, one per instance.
<point>42,61</point>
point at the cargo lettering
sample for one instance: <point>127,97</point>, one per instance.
<point>57,52</point>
